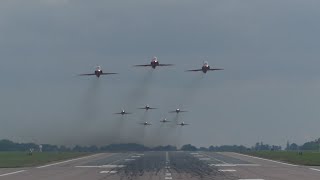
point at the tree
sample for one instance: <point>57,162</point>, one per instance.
<point>188,147</point>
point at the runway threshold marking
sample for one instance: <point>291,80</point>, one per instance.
<point>314,169</point>
<point>110,165</point>
<point>48,165</point>
<point>269,160</point>
<point>11,173</point>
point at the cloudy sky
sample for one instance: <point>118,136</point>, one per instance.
<point>269,90</point>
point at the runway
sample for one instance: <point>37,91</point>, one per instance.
<point>165,165</point>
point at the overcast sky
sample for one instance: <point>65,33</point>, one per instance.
<point>269,90</point>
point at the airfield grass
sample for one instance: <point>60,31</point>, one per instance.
<point>22,159</point>
<point>307,158</point>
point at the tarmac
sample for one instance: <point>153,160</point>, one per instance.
<point>165,165</point>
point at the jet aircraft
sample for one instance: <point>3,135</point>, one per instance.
<point>123,112</point>
<point>183,124</point>
<point>164,120</point>
<point>146,124</point>
<point>154,63</point>
<point>177,111</point>
<point>205,68</point>
<point>98,72</point>
<point>147,107</point>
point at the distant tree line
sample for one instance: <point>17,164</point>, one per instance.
<point>266,147</point>
<point>7,145</point>
<point>308,146</point>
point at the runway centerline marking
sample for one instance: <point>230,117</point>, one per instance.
<point>269,160</point>
<point>53,164</point>
<point>168,175</point>
<point>314,169</point>
<point>11,173</point>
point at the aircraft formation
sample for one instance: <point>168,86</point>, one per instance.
<point>153,64</point>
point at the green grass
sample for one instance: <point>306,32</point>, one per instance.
<point>22,159</point>
<point>307,158</point>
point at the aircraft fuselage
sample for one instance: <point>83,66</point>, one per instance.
<point>154,63</point>
<point>205,68</point>
<point>98,73</point>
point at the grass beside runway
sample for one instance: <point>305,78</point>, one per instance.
<point>22,159</point>
<point>306,158</point>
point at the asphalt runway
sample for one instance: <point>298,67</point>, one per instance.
<point>165,165</point>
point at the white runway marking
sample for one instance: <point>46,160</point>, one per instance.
<point>168,174</point>
<point>223,165</point>
<point>204,159</point>
<point>314,169</point>
<point>268,160</point>
<point>233,165</point>
<point>215,159</point>
<point>135,156</point>
<point>227,170</point>
<point>198,156</point>
<point>67,161</point>
<point>129,159</point>
<point>11,173</point>
<point>108,172</point>
<point>102,166</point>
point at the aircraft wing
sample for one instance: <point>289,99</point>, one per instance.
<point>172,111</point>
<point>108,73</point>
<point>183,111</point>
<point>194,70</point>
<point>145,124</point>
<point>142,65</point>
<point>214,69</point>
<point>166,65</point>
<point>89,74</point>
<point>146,108</point>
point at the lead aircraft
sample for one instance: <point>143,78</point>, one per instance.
<point>147,107</point>
<point>98,72</point>
<point>154,63</point>
<point>205,68</point>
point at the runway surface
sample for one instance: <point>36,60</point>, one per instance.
<point>165,165</point>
